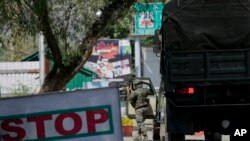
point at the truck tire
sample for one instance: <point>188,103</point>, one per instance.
<point>213,136</point>
<point>156,133</point>
<point>176,137</point>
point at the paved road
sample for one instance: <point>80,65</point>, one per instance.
<point>188,138</point>
<point>197,137</point>
<point>149,124</point>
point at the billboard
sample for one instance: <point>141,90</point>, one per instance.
<point>72,116</point>
<point>148,18</point>
<point>111,59</point>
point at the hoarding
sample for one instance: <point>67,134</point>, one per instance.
<point>148,18</point>
<point>111,59</point>
<point>79,115</point>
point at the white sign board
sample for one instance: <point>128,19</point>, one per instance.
<point>89,115</point>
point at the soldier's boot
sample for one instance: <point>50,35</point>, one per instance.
<point>138,138</point>
<point>144,133</point>
<point>145,138</point>
<point>139,131</point>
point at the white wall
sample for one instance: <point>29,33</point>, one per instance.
<point>13,75</point>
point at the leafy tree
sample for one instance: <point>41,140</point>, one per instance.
<point>20,48</point>
<point>122,27</point>
<point>71,29</point>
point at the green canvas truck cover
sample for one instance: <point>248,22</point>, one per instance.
<point>206,24</point>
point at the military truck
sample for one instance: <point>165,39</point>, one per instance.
<point>205,67</point>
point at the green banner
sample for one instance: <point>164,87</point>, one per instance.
<point>148,18</point>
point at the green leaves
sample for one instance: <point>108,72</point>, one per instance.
<point>70,27</point>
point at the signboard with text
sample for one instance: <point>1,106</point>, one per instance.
<point>79,115</point>
<point>148,18</point>
<point>111,59</point>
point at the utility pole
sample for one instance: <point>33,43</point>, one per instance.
<point>137,51</point>
<point>41,58</point>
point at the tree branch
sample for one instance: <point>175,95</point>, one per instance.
<point>42,13</point>
<point>57,80</point>
<point>111,12</point>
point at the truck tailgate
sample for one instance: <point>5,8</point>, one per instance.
<point>210,66</point>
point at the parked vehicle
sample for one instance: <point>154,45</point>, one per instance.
<point>205,67</point>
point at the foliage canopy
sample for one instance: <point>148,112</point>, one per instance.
<point>70,27</point>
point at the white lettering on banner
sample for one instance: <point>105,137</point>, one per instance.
<point>240,132</point>
<point>53,125</point>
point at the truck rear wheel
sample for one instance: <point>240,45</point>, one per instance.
<point>176,137</point>
<point>212,136</point>
<point>156,135</point>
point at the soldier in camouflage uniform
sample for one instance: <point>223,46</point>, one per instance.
<point>138,99</point>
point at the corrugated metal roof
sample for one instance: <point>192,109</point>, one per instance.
<point>17,75</point>
<point>32,57</point>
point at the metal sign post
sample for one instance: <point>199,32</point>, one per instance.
<point>137,56</point>
<point>147,19</point>
<point>41,58</point>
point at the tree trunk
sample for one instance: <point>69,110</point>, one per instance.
<point>55,81</point>
<point>60,75</point>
